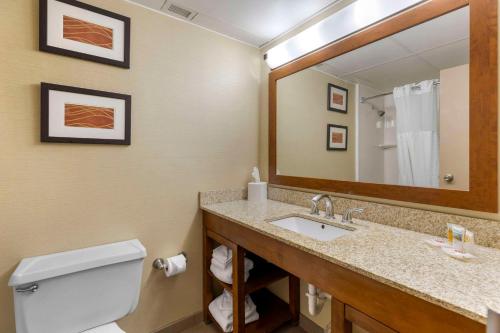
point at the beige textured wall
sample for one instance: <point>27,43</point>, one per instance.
<point>301,129</point>
<point>194,128</point>
<point>454,127</point>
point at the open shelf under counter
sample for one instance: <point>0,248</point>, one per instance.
<point>260,277</point>
<point>273,313</point>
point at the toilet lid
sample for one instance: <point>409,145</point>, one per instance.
<point>108,328</point>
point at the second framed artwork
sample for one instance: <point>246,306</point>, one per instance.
<point>75,29</point>
<point>336,137</point>
<point>77,115</point>
<point>337,98</point>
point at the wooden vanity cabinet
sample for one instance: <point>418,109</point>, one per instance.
<point>356,298</point>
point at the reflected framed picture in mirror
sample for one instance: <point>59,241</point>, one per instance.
<point>336,137</point>
<point>337,98</point>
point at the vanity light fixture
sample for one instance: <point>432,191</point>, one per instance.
<point>346,21</point>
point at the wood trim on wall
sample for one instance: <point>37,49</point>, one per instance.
<point>483,135</point>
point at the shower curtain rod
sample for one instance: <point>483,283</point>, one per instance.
<point>364,99</point>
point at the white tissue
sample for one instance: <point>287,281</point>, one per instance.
<point>255,175</point>
<point>175,265</point>
<point>257,192</point>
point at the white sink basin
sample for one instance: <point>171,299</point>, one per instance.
<point>310,228</point>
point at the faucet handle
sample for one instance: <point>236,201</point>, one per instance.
<point>347,217</point>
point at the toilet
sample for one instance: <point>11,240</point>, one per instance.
<point>84,290</point>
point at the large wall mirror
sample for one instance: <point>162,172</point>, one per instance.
<point>405,110</point>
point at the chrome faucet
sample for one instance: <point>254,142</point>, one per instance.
<point>347,217</point>
<point>329,213</point>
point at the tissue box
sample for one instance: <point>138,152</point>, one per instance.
<point>257,192</point>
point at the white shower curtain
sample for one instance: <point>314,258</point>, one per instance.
<point>417,123</point>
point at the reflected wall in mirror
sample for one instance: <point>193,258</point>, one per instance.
<point>406,111</point>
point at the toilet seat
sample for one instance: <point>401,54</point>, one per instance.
<point>108,328</point>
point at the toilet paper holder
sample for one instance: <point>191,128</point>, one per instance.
<point>159,263</point>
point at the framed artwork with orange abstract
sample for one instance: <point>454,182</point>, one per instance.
<point>336,137</point>
<point>77,115</point>
<point>73,28</point>
<point>337,98</point>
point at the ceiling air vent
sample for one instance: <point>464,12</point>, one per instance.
<point>180,12</point>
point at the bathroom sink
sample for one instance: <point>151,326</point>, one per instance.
<point>311,228</point>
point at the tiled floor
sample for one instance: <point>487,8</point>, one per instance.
<point>202,328</point>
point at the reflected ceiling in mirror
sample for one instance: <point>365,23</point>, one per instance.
<point>395,111</point>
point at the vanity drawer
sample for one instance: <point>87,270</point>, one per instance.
<point>366,322</point>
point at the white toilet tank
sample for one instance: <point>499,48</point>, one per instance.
<point>74,291</point>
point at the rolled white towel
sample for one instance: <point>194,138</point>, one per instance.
<point>223,255</point>
<point>226,276</point>
<point>225,317</point>
<point>227,324</point>
<point>248,264</point>
<point>225,303</point>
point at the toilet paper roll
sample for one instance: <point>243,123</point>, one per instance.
<point>175,265</point>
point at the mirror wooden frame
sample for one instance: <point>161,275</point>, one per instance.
<point>483,151</point>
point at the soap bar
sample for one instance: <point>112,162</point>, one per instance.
<point>257,192</point>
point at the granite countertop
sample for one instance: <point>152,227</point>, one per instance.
<point>396,257</point>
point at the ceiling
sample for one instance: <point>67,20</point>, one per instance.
<point>413,55</point>
<point>255,22</point>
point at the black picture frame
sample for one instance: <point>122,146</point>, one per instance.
<point>328,127</point>
<point>43,45</point>
<point>45,110</point>
<point>328,101</point>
